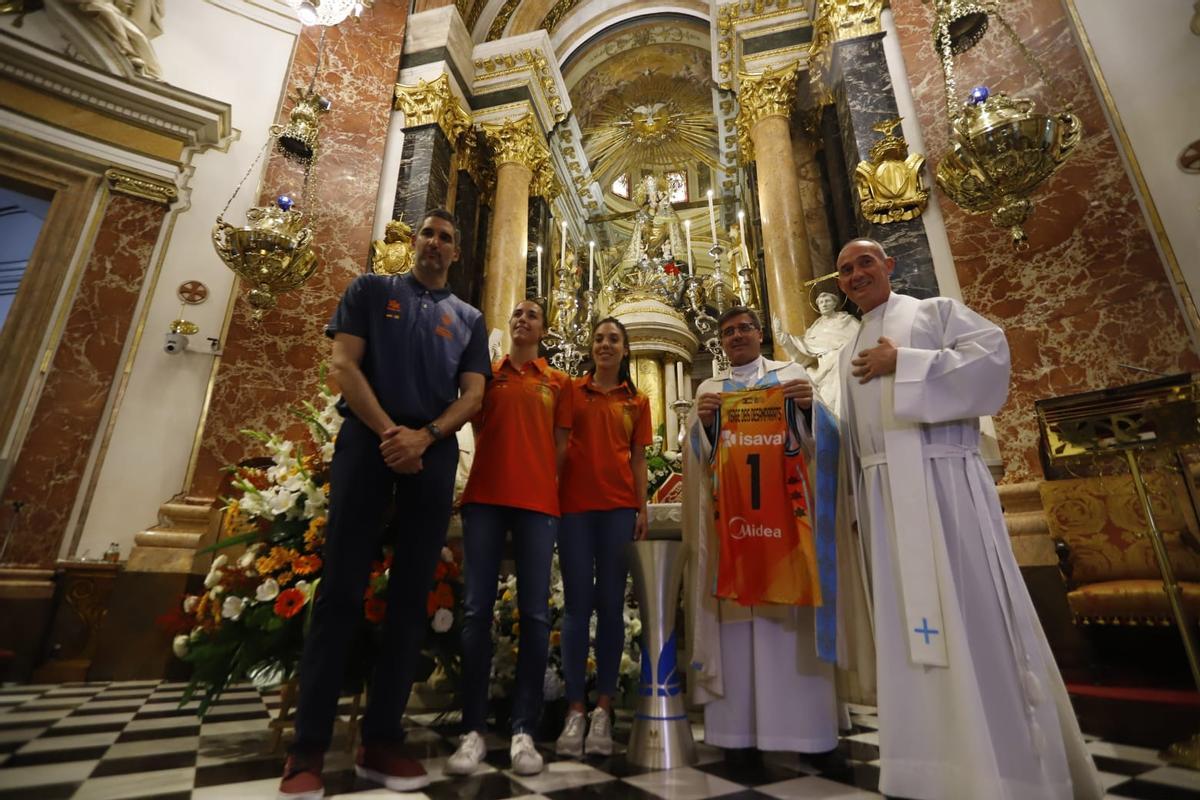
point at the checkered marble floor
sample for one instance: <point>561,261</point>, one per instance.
<point>131,739</point>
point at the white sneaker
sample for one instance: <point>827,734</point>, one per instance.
<point>571,741</point>
<point>526,760</point>
<point>466,758</point>
<point>599,735</point>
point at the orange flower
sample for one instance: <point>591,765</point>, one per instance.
<point>284,578</point>
<point>306,565</point>
<point>375,609</point>
<point>277,559</point>
<point>555,637</point>
<point>289,603</point>
<point>314,537</point>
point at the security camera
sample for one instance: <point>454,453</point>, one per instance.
<point>175,343</point>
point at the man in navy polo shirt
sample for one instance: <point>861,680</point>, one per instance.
<point>412,362</point>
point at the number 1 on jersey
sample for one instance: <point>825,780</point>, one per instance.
<point>755,488</point>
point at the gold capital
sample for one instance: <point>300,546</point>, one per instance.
<point>769,93</point>
<point>432,102</point>
<point>520,142</point>
<point>838,21</point>
<point>141,186</point>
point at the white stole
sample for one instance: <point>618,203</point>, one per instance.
<point>915,522</point>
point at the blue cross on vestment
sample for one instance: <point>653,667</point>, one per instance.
<point>925,630</point>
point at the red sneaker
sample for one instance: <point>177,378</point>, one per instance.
<point>302,778</point>
<point>387,765</point>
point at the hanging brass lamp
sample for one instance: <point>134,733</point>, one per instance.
<point>1001,148</point>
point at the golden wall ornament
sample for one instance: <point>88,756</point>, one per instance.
<point>742,12</point>
<point>432,102</point>
<point>770,93</point>
<point>890,185</point>
<point>496,31</point>
<point>393,254</point>
<point>1001,148</point>
<point>517,141</point>
<point>520,61</point>
<point>143,187</point>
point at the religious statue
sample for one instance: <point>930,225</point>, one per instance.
<point>890,186</point>
<point>818,348</point>
<point>655,223</point>
<point>668,260</point>
<point>393,255</point>
<point>127,27</point>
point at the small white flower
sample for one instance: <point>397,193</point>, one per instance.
<point>279,501</point>
<point>219,562</point>
<point>443,619</point>
<point>189,603</point>
<point>248,557</point>
<point>447,555</point>
<point>281,449</point>
<point>233,607</point>
<point>327,451</point>
<point>179,645</point>
<point>267,591</point>
<point>196,633</point>
<point>303,586</point>
<point>212,579</point>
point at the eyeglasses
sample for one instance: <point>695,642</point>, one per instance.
<point>744,327</point>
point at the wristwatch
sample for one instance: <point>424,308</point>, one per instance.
<point>434,431</point>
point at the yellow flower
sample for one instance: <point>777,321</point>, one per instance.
<point>507,596</point>
<point>516,628</point>
<point>591,664</point>
<point>555,637</point>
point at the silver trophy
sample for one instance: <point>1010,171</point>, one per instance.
<point>662,734</point>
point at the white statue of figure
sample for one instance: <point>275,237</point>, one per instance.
<point>128,27</point>
<point>818,348</point>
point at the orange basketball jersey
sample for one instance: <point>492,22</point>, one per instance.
<point>767,553</point>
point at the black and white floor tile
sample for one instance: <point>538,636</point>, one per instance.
<point>132,740</point>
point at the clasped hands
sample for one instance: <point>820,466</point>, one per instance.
<point>875,362</point>
<point>796,389</point>
<point>403,447</point>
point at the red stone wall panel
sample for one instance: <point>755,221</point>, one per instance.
<point>269,367</point>
<point>1091,297</point>
<point>49,469</point>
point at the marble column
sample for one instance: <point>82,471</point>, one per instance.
<point>521,160</point>
<point>864,97</point>
<point>434,125</point>
<point>765,101</point>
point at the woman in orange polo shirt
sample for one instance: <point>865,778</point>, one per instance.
<point>603,500</point>
<point>520,440</point>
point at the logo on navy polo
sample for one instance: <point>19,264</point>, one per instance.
<point>393,309</point>
<point>443,330</point>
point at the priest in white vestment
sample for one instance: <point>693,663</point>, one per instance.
<point>753,668</point>
<point>971,703</point>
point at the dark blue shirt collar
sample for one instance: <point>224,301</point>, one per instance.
<point>418,287</point>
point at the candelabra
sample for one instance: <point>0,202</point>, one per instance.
<point>568,337</point>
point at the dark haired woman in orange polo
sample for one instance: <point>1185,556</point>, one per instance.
<point>520,440</point>
<point>603,502</point>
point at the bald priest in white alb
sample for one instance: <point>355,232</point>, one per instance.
<point>971,704</point>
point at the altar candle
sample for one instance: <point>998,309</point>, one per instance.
<point>680,392</point>
<point>539,271</point>
<point>562,255</point>
<point>712,218</point>
<point>591,265</point>
<point>687,229</point>
<point>742,229</point>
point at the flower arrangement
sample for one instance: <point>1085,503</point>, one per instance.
<point>250,620</point>
<point>506,628</point>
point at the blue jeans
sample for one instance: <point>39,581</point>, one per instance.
<point>593,552</point>
<point>533,533</point>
